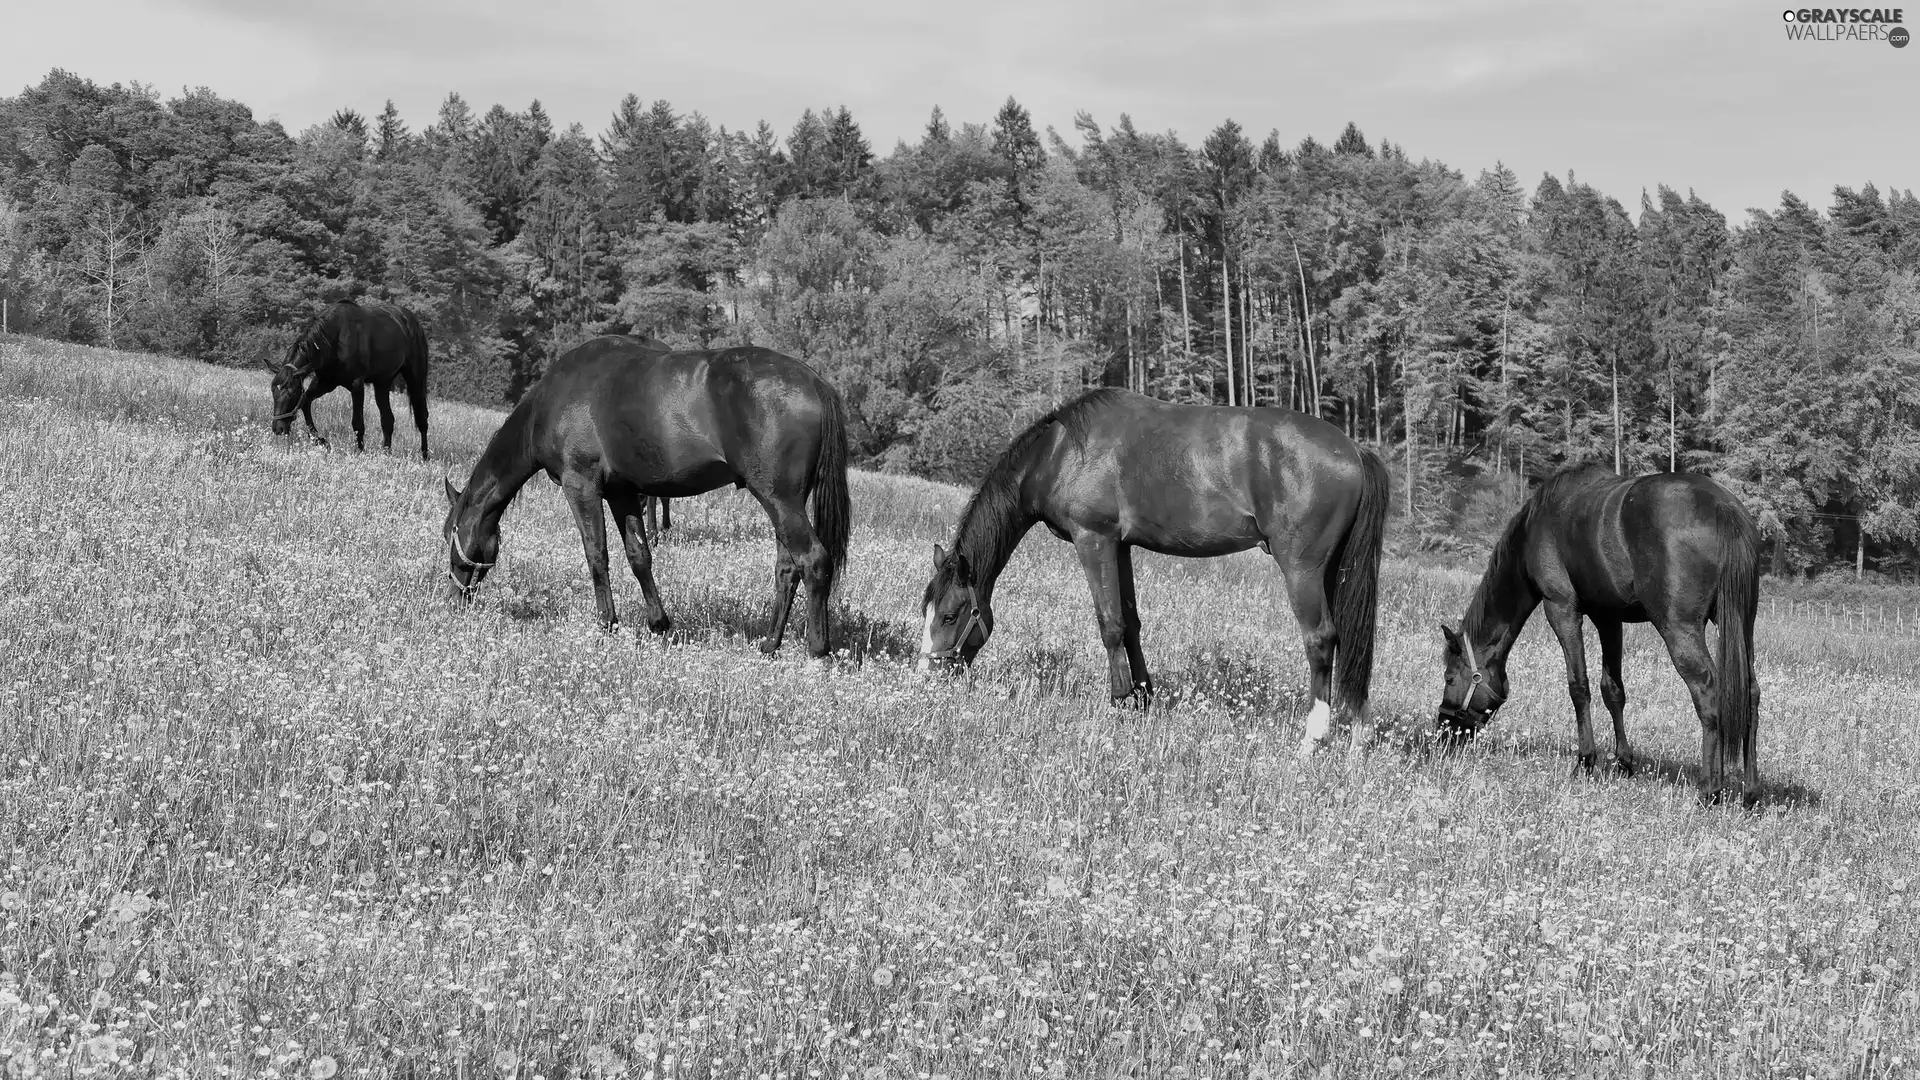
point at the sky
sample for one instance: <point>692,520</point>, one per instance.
<point>1627,95</point>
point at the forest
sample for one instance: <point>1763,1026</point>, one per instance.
<point>1476,332</point>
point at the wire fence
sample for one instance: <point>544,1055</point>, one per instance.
<point>1858,618</point>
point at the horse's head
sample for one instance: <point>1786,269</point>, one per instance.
<point>290,382</point>
<point>956,620</point>
<point>472,545</point>
<point>1476,685</point>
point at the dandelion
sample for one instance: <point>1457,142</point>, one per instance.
<point>1040,1028</point>
<point>1394,985</point>
<point>883,976</point>
<point>337,774</point>
<point>366,879</point>
<point>1192,1023</point>
<point>601,1056</point>
<point>318,838</point>
<point>506,1061</point>
<point>322,1068</point>
<point>12,901</point>
<point>1600,1043</point>
<point>105,969</point>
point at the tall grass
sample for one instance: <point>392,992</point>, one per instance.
<point>268,807</point>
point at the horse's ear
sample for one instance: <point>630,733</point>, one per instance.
<point>939,557</point>
<point>1449,633</point>
<point>962,570</point>
<point>453,493</point>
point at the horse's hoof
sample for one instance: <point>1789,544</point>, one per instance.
<point>769,647</point>
<point>660,625</point>
<point>1625,765</point>
<point>1583,765</point>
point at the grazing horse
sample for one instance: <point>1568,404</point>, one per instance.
<point>1672,549</point>
<point>608,429</point>
<point>1113,470</point>
<point>354,345</point>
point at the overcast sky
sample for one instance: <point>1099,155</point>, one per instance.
<point>1628,95</point>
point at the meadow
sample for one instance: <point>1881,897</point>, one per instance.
<point>271,807</point>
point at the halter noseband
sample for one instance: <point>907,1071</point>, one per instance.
<point>472,564</point>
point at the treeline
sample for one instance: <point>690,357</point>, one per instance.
<point>972,277</point>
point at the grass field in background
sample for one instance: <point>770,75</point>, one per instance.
<point>270,807</point>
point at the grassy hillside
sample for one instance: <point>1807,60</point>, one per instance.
<point>268,806</point>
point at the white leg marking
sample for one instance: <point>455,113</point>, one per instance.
<point>1319,721</point>
<point>926,641</point>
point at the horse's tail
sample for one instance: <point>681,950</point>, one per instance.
<point>832,505</point>
<point>1355,589</point>
<point>1734,604</point>
<point>416,366</point>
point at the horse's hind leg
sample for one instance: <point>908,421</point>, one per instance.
<point>1687,645</point>
<point>381,399</point>
<point>799,554</point>
<point>1100,557</point>
<point>358,392</point>
<point>627,518</point>
<point>1306,588</point>
<point>1613,691</point>
<point>1130,623</point>
<point>583,498</point>
<point>1565,620</point>
<point>417,404</point>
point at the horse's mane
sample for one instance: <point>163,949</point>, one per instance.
<point>1510,549</point>
<point>1508,552</point>
<point>321,330</point>
<point>992,522</point>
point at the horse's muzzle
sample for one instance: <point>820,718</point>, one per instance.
<point>1455,726</point>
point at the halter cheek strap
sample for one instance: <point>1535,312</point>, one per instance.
<point>1479,676</point>
<point>973,623</point>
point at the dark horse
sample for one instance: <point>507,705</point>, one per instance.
<point>1672,549</point>
<point>604,427</point>
<point>354,345</point>
<point>1113,470</point>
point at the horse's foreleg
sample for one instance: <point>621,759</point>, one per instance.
<point>306,410</point>
<point>1687,645</point>
<point>1100,557</point>
<point>1565,620</point>
<point>583,497</point>
<point>358,392</point>
<point>385,404</point>
<point>1306,588</point>
<point>1613,691</point>
<point>633,534</point>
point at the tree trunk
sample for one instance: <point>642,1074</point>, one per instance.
<point>1226,312</point>
<point>1312,373</point>
<point>1614,360</point>
<point>1186,319</point>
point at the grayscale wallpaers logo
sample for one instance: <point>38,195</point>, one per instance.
<point>1847,24</point>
